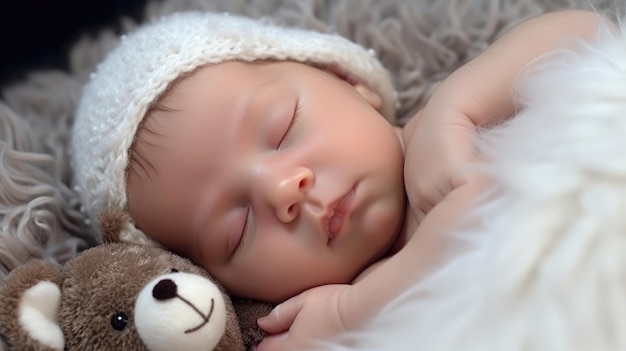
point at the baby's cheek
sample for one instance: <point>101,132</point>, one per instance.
<point>384,218</point>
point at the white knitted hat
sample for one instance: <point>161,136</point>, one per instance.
<point>148,60</point>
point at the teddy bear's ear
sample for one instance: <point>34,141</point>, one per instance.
<point>117,226</point>
<point>112,223</point>
<point>29,301</point>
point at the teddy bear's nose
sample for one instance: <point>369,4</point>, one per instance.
<point>165,289</point>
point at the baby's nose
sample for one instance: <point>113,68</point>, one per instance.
<point>286,190</point>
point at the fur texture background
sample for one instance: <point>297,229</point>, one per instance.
<point>420,42</point>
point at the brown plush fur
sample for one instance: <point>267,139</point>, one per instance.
<point>100,282</point>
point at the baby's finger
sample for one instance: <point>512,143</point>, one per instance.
<point>282,316</point>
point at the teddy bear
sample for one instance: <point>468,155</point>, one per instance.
<point>118,296</point>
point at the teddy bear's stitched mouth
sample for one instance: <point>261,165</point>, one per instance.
<point>204,318</point>
<point>166,289</point>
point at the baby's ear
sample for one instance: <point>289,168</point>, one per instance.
<point>368,94</point>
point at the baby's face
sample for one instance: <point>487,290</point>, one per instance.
<point>274,177</point>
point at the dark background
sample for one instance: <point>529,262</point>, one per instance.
<point>36,34</point>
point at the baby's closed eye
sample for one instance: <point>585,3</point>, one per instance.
<point>237,231</point>
<point>286,137</point>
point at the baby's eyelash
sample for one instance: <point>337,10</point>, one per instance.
<point>298,111</point>
<point>244,234</point>
<point>296,116</point>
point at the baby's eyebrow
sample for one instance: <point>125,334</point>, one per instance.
<point>247,100</point>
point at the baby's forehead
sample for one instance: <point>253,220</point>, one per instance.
<point>186,85</point>
<point>192,90</point>
<point>224,70</point>
<point>227,81</point>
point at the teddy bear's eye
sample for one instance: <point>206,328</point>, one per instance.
<point>173,270</point>
<point>119,321</point>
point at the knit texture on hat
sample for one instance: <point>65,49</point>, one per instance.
<point>147,61</point>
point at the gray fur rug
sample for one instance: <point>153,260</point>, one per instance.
<point>419,41</point>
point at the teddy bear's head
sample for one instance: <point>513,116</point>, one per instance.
<point>123,297</point>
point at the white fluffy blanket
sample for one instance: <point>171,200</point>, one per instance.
<point>546,270</point>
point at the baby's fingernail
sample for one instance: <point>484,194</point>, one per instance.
<point>275,310</point>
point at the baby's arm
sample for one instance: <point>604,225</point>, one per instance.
<point>479,91</point>
<point>439,140</point>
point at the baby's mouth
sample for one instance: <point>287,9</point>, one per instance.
<point>337,214</point>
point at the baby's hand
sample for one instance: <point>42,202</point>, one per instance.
<point>315,314</point>
<point>438,151</point>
